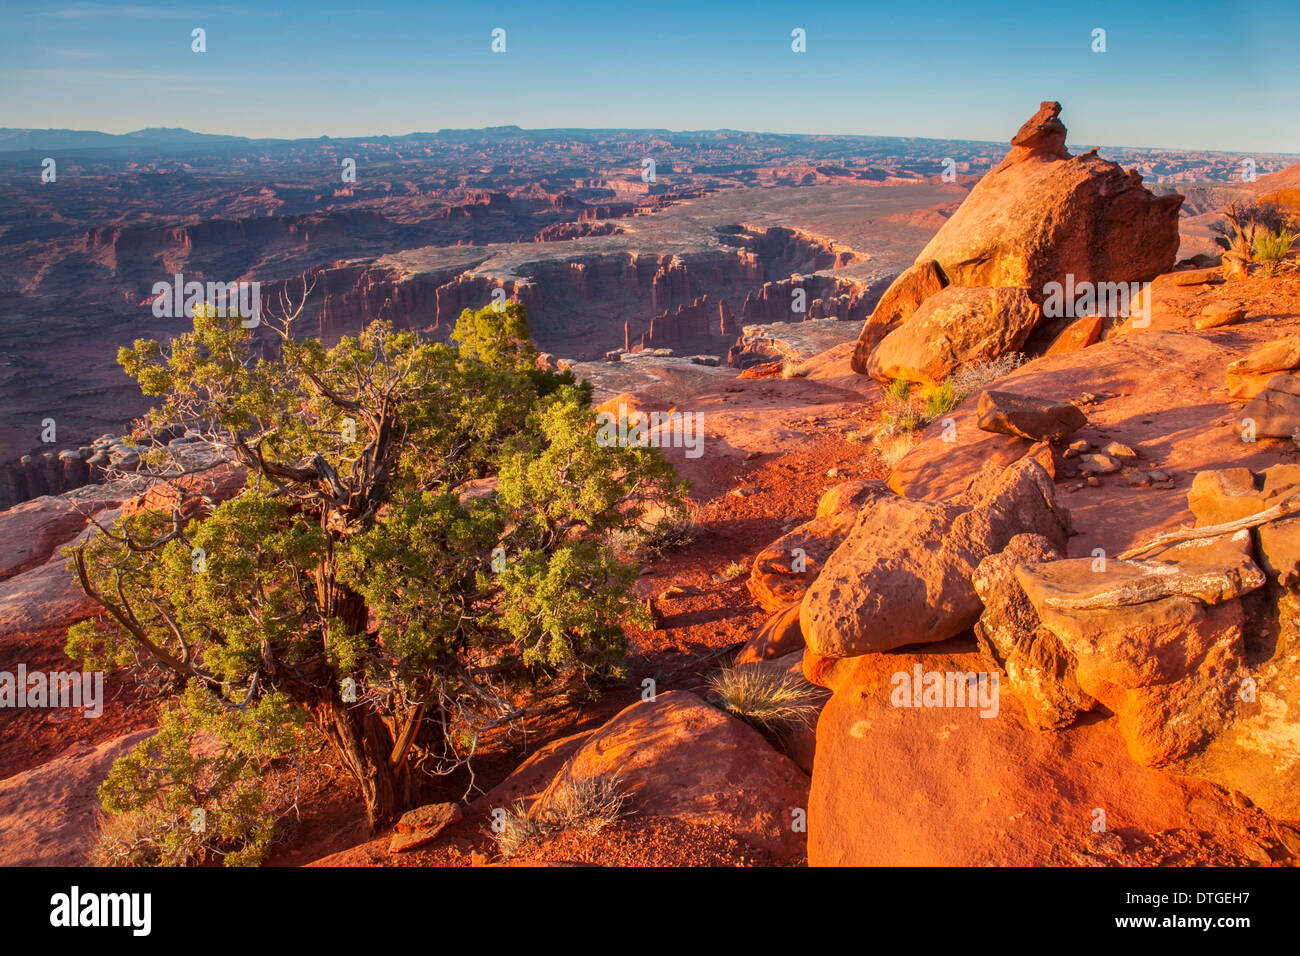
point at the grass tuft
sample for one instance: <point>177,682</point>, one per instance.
<point>766,697</point>
<point>586,806</point>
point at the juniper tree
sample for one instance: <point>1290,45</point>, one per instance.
<point>354,576</point>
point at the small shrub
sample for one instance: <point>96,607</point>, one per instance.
<point>941,399</point>
<point>1244,223</point>
<point>898,391</point>
<point>517,831</point>
<point>792,369</point>
<point>148,837</point>
<point>587,806</point>
<point>892,447</point>
<point>670,531</point>
<point>766,697</point>
<point>1271,248</point>
<point>734,570</point>
<point>976,375</point>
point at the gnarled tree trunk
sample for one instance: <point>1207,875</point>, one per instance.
<point>366,746</point>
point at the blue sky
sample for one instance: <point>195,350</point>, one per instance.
<point>1209,75</point>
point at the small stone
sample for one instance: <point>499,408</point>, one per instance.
<point>1097,464</point>
<point>1094,481</point>
<point>1137,479</point>
<point>1257,852</point>
<point>1116,450</point>
<point>1107,843</point>
<point>1219,313</point>
<point>1027,416</point>
<point>833,473</point>
<point>422,825</point>
<point>1198,277</point>
<point>1159,476</point>
<point>1079,446</point>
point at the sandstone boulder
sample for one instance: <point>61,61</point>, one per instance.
<point>1079,334</point>
<point>846,498</point>
<point>422,826</point>
<point>678,757</point>
<point>903,297</point>
<point>1248,377</point>
<point>1025,416</point>
<point>776,637</point>
<point>1230,494</point>
<point>1158,642</point>
<point>1042,214</point>
<point>1275,411</point>
<point>903,574</point>
<point>951,328</point>
<point>783,570</point>
<point>946,786</point>
<point>1218,314</point>
<point>531,777</point>
<point>1220,495</point>
<point>1039,669</point>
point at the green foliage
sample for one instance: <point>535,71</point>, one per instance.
<point>941,399</point>
<point>355,554</point>
<point>909,407</point>
<point>1273,247</point>
<point>195,791</point>
<point>734,570</point>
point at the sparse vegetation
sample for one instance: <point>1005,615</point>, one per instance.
<point>734,570</point>
<point>893,447</point>
<point>587,806</point>
<point>976,375</point>
<point>670,530</point>
<point>195,792</point>
<point>910,406</point>
<point>898,390</point>
<point>768,698</point>
<point>940,400</point>
<point>791,368</point>
<point>1271,248</point>
<point>1245,225</point>
<point>351,583</point>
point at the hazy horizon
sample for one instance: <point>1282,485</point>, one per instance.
<point>294,70</point>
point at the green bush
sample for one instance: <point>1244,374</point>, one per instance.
<point>352,578</point>
<point>197,791</point>
<point>1273,247</point>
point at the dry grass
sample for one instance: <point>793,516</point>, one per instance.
<point>971,378</point>
<point>148,838</point>
<point>584,806</point>
<point>892,447</point>
<point>792,369</point>
<point>766,697</point>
